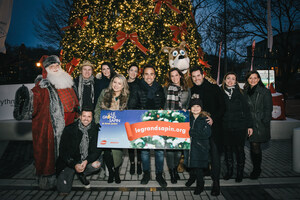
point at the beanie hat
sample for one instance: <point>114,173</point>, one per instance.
<point>196,101</point>
<point>51,60</point>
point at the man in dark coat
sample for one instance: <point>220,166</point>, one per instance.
<point>213,102</point>
<point>88,86</point>
<point>151,96</point>
<point>78,152</point>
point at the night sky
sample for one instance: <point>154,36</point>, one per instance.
<point>21,27</point>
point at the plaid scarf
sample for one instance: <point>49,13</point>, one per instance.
<point>84,144</point>
<point>81,84</point>
<point>173,98</point>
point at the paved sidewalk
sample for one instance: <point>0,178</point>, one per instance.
<point>278,180</point>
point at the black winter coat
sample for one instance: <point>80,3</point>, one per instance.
<point>237,113</point>
<point>261,107</point>
<point>69,151</point>
<point>133,101</point>
<point>140,101</point>
<point>199,132</point>
<point>213,102</point>
<point>97,91</point>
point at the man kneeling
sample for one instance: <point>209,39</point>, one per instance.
<point>78,152</point>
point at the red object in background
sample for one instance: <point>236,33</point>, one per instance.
<point>278,112</point>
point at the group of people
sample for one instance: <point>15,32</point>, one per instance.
<point>221,119</point>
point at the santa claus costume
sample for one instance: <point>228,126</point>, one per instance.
<point>54,104</point>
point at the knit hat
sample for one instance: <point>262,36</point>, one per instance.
<point>51,60</point>
<point>196,101</point>
<point>86,63</point>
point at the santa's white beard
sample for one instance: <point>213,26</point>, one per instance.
<point>60,79</point>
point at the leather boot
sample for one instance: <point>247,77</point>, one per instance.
<point>240,159</point>
<point>161,181</point>
<point>109,162</point>
<point>111,175</point>
<point>176,175</point>
<point>132,168</point>
<point>146,178</point>
<point>139,168</point>
<point>191,179</point>
<point>215,191</point>
<point>229,162</point>
<point>256,161</point>
<point>117,175</point>
<point>172,175</point>
<point>200,182</point>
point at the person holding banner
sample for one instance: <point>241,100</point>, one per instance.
<point>237,124</point>
<point>177,98</point>
<point>151,96</point>
<point>213,102</point>
<point>88,87</point>
<point>133,83</point>
<point>115,97</point>
<point>261,106</point>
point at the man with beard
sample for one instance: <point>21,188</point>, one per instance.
<point>213,102</point>
<point>54,103</point>
<point>78,152</point>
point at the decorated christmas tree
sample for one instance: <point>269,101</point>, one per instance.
<point>125,32</point>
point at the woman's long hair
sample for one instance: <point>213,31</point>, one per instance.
<point>109,93</point>
<point>183,82</point>
<point>111,69</point>
<point>236,82</point>
<point>247,85</point>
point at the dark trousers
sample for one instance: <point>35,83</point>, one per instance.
<point>131,155</point>
<point>215,161</point>
<point>173,158</point>
<point>66,177</point>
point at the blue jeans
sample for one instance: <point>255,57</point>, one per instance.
<point>159,160</point>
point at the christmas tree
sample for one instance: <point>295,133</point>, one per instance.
<point>125,32</point>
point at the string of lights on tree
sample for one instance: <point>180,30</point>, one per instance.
<point>125,32</point>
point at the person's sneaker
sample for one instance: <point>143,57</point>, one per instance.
<point>146,178</point>
<point>161,181</point>
<point>83,180</point>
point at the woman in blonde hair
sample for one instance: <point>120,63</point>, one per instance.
<point>115,97</point>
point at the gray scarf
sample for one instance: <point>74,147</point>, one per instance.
<point>81,84</point>
<point>84,144</point>
<point>229,91</point>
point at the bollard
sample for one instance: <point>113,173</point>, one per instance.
<point>296,150</point>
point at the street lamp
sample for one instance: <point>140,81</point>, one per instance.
<point>38,64</point>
